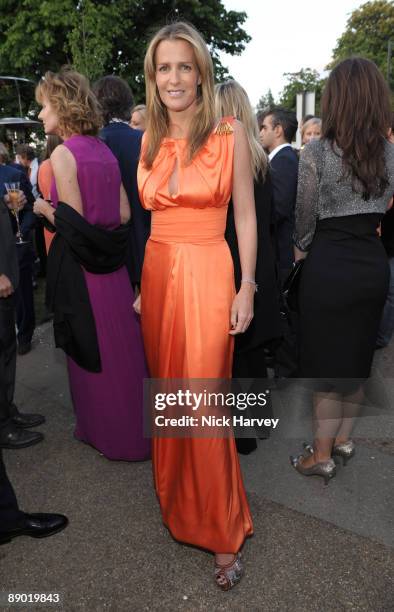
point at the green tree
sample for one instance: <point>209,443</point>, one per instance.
<point>304,80</point>
<point>106,36</point>
<point>266,101</point>
<point>368,31</point>
<point>92,40</point>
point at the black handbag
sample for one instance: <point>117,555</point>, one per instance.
<point>291,286</point>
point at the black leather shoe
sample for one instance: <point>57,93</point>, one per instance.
<point>15,438</point>
<point>25,348</point>
<point>27,420</point>
<point>36,526</point>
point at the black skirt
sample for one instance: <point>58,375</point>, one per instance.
<point>342,292</point>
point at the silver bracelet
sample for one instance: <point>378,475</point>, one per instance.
<point>251,282</point>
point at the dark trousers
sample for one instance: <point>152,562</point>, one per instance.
<point>25,315</point>
<point>251,365</point>
<point>284,274</point>
<point>286,352</point>
<point>7,358</point>
<point>40,247</point>
<point>10,515</point>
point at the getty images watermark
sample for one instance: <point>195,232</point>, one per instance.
<point>205,408</point>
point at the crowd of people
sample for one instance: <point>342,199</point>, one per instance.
<point>167,233</point>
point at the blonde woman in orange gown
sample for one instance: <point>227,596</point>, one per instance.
<point>189,310</point>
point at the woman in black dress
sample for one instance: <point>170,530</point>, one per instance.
<point>345,183</point>
<point>249,358</point>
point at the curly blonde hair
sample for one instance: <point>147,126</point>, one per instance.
<point>69,94</point>
<point>204,119</point>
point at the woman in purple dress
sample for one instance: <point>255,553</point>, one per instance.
<point>108,400</point>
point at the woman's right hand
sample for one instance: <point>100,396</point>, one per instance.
<point>137,305</point>
<point>41,207</point>
<point>242,309</point>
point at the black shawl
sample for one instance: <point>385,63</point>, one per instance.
<point>78,245</point>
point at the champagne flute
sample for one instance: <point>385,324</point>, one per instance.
<point>13,190</point>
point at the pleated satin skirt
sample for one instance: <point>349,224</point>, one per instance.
<point>187,292</point>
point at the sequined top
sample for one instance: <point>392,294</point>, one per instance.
<point>323,192</point>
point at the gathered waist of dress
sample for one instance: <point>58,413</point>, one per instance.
<point>189,225</point>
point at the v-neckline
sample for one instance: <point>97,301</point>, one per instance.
<point>174,169</point>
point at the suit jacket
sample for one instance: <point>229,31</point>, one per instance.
<point>8,258</point>
<point>284,175</point>
<point>266,324</point>
<point>9,255</point>
<point>125,144</point>
<point>27,219</point>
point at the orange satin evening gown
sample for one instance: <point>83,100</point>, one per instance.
<point>187,291</point>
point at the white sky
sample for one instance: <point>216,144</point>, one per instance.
<point>286,35</point>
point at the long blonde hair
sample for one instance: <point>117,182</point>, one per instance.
<point>232,99</point>
<point>158,122</point>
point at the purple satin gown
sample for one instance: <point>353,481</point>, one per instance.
<point>108,405</point>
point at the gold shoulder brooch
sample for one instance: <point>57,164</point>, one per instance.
<point>224,128</point>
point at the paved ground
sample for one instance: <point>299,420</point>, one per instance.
<point>315,548</point>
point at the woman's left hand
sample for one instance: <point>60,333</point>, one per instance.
<point>242,309</point>
<point>41,206</point>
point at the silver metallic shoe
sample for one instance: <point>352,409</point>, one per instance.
<point>227,576</point>
<point>325,469</point>
<point>347,450</point>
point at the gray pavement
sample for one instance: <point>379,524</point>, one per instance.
<point>315,548</point>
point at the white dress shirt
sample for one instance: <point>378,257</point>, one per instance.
<point>277,149</point>
<point>34,176</point>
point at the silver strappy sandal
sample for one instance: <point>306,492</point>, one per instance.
<point>227,576</point>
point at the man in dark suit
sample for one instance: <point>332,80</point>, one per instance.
<point>116,101</point>
<point>24,298</point>
<point>277,130</point>
<point>13,424</point>
<point>29,163</point>
<point>14,522</point>
<point>278,127</point>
